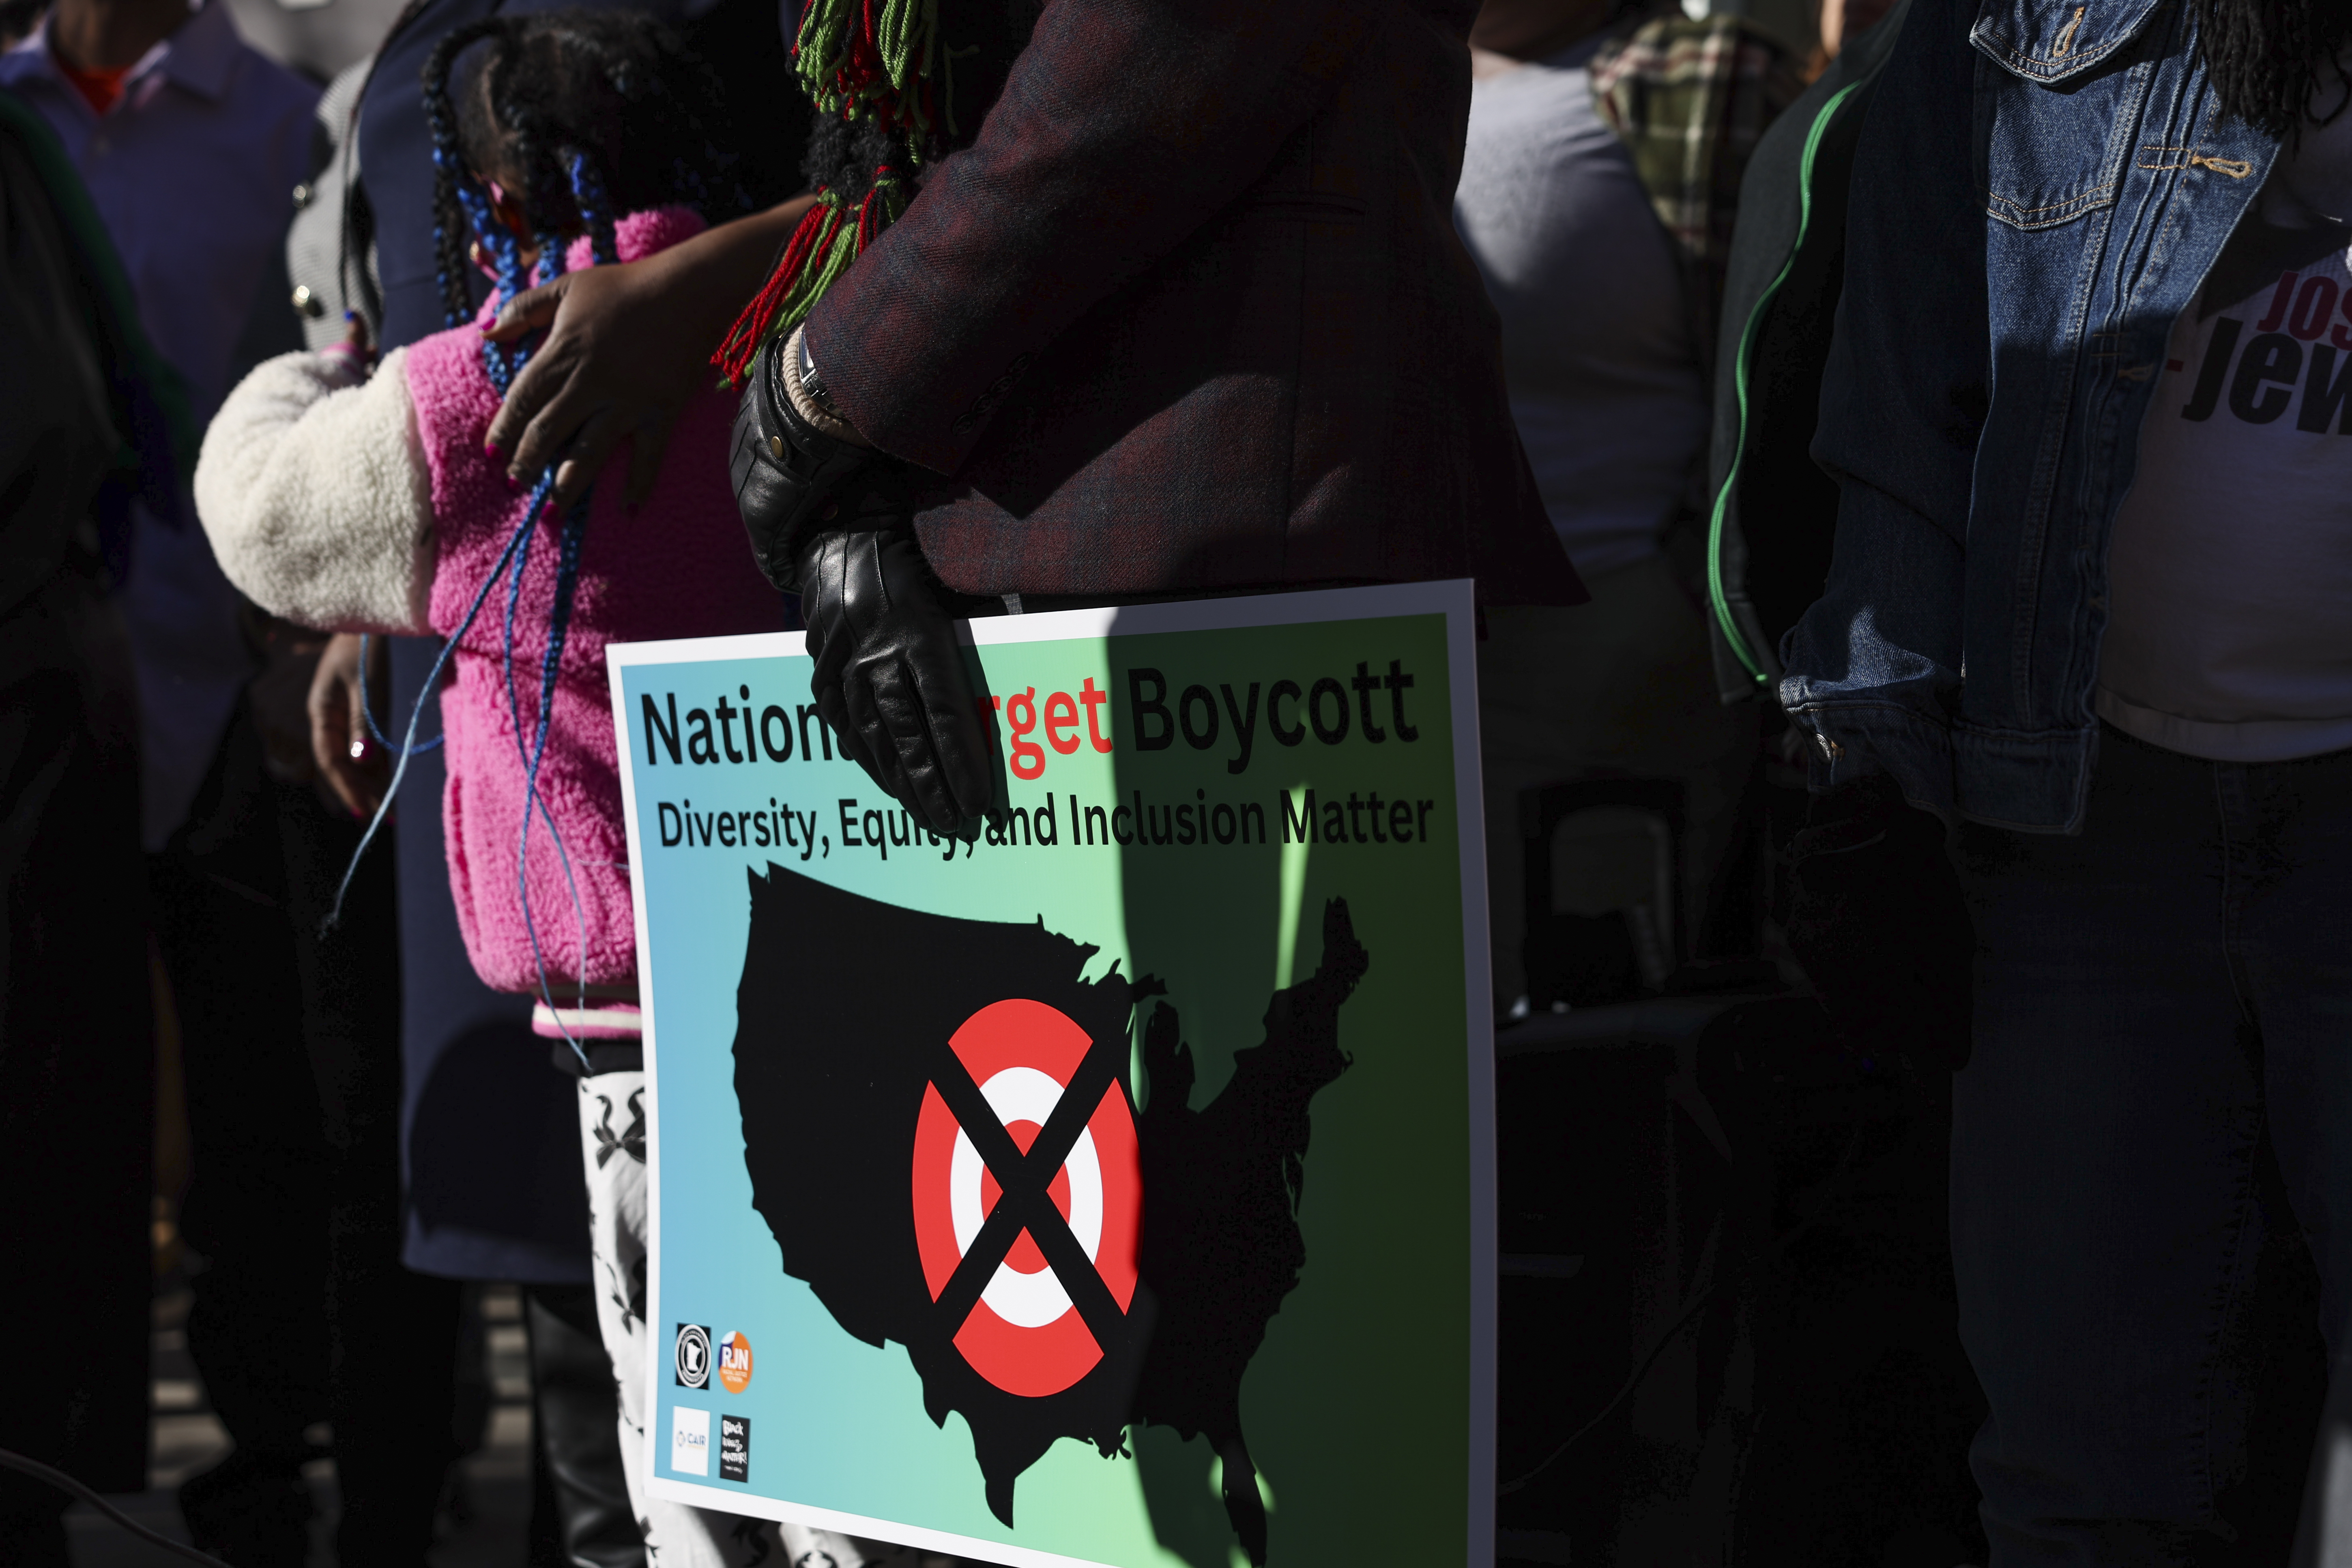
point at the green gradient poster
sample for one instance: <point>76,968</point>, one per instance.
<point>1118,1188</point>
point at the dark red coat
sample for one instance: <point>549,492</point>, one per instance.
<point>1191,312</point>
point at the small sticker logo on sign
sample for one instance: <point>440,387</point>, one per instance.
<point>692,1356</point>
<point>690,1441</point>
<point>734,1447</point>
<point>735,1361</point>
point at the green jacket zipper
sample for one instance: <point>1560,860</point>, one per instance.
<point>1747,655</point>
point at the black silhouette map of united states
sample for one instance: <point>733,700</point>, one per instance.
<point>845,1011</point>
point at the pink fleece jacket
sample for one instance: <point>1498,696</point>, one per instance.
<point>678,566</point>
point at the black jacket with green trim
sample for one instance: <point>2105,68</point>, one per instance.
<point>1774,512</point>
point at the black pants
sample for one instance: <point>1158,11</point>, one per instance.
<point>2152,1158</point>
<point>290,1040</point>
<point>77,1063</point>
<point>580,1514</point>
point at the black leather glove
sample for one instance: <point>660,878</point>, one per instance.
<point>790,476</point>
<point>831,521</point>
<point>1876,917</point>
<point>890,676</point>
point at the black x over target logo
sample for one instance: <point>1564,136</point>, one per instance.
<point>1026,1201</point>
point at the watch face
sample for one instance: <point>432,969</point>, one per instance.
<point>813,384</point>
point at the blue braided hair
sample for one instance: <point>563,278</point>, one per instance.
<point>590,114</point>
<point>460,206</point>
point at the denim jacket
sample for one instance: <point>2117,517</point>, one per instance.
<point>2041,188</point>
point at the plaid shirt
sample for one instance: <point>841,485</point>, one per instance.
<point>1690,99</point>
<point>1190,313</point>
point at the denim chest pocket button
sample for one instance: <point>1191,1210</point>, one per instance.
<point>2057,96</point>
<point>2052,40</point>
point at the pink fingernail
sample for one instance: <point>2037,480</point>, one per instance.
<point>490,450</point>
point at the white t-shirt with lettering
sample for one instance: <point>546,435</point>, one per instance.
<point>2230,634</point>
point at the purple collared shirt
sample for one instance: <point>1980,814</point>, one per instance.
<point>194,172</point>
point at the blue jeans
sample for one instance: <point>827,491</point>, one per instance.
<point>2152,996</point>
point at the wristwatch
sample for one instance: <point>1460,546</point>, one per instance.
<point>814,384</point>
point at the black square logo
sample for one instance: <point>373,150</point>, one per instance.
<point>734,1447</point>
<point>691,1356</point>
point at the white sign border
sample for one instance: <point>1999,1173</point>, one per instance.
<point>1451,598</point>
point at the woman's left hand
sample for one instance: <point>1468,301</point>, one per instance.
<point>626,346</point>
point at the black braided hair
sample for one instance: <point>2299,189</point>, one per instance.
<point>2272,61</point>
<point>592,114</point>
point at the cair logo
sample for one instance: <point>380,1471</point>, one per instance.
<point>690,1441</point>
<point>735,1361</point>
<point>691,1356</point>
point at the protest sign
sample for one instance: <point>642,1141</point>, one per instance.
<point>1116,1188</point>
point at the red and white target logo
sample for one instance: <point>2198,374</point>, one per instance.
<point>1024,1332</point>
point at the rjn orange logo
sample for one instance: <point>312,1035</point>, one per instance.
<point>735,1361</point>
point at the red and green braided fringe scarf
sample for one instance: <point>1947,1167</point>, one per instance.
<point>859,59</point>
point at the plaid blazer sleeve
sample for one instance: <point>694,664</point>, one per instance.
<point>1122,128</point>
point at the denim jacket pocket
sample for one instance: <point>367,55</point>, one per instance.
<point>2057,93</point>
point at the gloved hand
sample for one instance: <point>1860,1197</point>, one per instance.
<point>830,521</point>
<point>890,676</point>
<point>790,476</point>
<point>1876,917</point>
